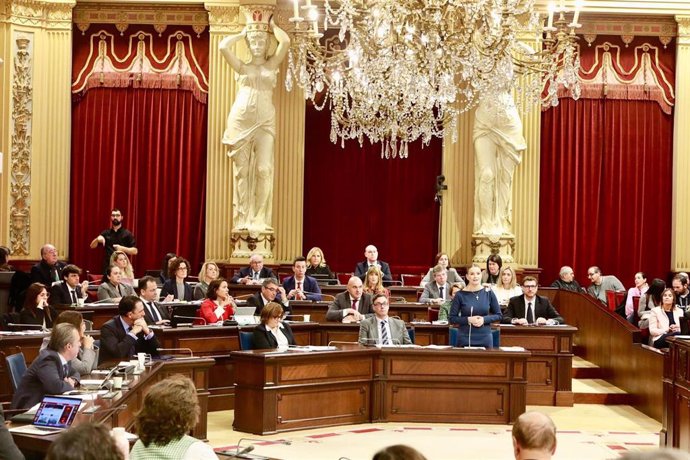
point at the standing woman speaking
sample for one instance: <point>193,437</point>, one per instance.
<point>474,309</point>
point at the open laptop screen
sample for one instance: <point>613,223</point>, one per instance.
<point>57,411</point>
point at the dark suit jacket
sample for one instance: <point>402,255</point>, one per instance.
<point>27,317</point>
<point>44,273</point>
<point>59,294</point>
<point>342,302</point>
<point>542,309</point>
<point>170,287</point>
<point>45,376</point>
<point>262,338</point>
<point>362,268</point>
<point>116,344</point>
<point>247,271</point>
<point>257,302</point>
<point>8,449</point>
<point>310,287</point>
<point>163,311</point>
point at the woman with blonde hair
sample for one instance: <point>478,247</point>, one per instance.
<point>506,287</point>
<point>120,259</point>
<point>170,410</point>
<point>373,282</point>
<point>209,272</point>
<point>316,264</point>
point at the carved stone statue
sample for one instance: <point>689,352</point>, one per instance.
<point>498,146</point>
<point>251,124</point>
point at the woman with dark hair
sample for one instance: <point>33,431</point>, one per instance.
<point>664,320</point>
<point>442,260</point>
<point>272,332</point>
<point>5,260</point>
<point>165,266</point>
<point>113,288</point>
<point>87,359</point>
<point>170,410</point>
<point>398,452</point>
<point>219,305</point>
<point>492,274</point>
<point>36,309</point>
<point>640,288</point>
<point>649,300</point>
<point>176,286</point>
<point>88,441</point>
<point>474,309</point>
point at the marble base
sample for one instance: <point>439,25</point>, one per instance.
<point>246,243</point>
<point>485,245</point>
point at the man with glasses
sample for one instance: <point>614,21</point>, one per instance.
<point>381,329</point>
<point>270,291</point>
<point>601,284</point>
<point>115,238</point>
<point>530,308</point>
<point>255,273</point>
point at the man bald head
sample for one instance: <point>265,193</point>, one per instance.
<point>534,436</point>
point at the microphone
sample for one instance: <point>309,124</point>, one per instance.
<point>189,350</point>
<point>340,342</point>
<point>244,451</point>
<point>108,411</point>
<point>194,318</point>
<point>108,300</point>
<point>469,336</point>
<point>237,453</point>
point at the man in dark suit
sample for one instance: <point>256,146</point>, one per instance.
<point>68,291</point>
<point>148,293</point>
<point>254,273</point>
<point>50,373</point>
<point>300,286</point>
<point>127,334</point>
<point>531,308</point>
<point>372,255</point>
<point>270,291</point>
<point>351,305</point>
<point>49,269</point>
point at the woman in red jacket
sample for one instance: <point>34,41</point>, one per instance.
<point>218,305</point>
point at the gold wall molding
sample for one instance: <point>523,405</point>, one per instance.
<point>223,18</point>
<point>21,129</point>
<point>55,14</point>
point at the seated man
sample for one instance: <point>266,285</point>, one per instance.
<point>601,284</point>
<point>127,333</point>
<point>534,436</point>
<point>148,293</point>
<point>437,291</point>
<point>351,305</point>
<point>530,308</point>
<point>566,280</point>
<point>380,329</point>
<point>255,273</point>
<point>372,255</point>
<point>300,286</point>
<point>49,269</point>
<point>50,373</point>
<point>68,291</point>
<point>270,291</point>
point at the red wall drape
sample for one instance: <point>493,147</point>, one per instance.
<point>606,184</point>
<point>352,198</point>
<point>143,151</point>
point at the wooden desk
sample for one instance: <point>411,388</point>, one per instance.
<point>675,423</point>
<point>409,293</point>
<point>130,401</point>
<point>291,391</point>
<point>407,311</point>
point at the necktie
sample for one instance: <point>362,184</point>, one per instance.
<point>65,370</point>
<point>299,285</point>
<point>384,333</point>
<point>119,291</point>
<point>354,305</point>
<point>256,276</point>
<point>154,312</point>
<point>530,314</point>
<point>440,292</point>
<point>74,296</point>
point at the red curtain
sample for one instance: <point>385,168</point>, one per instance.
<point>143,151</point>
<point>606,185</point>
<point>352,198</point>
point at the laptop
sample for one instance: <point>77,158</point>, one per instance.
<point>245,316</point>
<point>55,413</point>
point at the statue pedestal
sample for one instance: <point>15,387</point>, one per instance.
<point>246,243</point>
<point>485,245</point>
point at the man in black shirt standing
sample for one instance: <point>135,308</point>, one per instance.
<point>115,238</point>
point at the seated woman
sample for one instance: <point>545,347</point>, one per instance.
<point>219,305</point>
<point>640,288</point>
<point>373,282</point>
<point>506,288</point>
<point>664,320</point>
<point>5,260</point>
<point>492,274</point>
<point>113,289</point>
<point>165,267</point>
<point>209,272</point>
<point>176,287</point>
<point>442,260</point>
<point>272,332</point>
<point>36,309</point>
<point>87,359</point>
<point>316,264</point>
<point>120,259</point>
<point>474,309</point>
<point>649,300</point>
<point>170,410</point>
<point>444,310</point>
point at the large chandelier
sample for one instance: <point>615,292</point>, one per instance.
<point>399,70</point>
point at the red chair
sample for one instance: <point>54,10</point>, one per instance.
<point>343,278</point>
<point>411,280</point>
<point>432,314</point>
<point>611,300</point>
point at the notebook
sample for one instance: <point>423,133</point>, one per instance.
<point>55,413</point>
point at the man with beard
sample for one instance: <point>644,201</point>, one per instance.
<point>115,238</point>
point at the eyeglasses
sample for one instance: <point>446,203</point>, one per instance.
<point>381,304</point>
<point>182,268</point>
<point>272,289</point>
<point>589,275</point>
<point>530,287</point>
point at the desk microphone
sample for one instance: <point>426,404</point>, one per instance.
<point>189,350</point>
<point>340,342</point>
<point>469,336</point>
<point>238,453</point>
<point>108,300</point>
<point>195,318</point>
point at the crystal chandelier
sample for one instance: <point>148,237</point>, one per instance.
<point>399,70</point>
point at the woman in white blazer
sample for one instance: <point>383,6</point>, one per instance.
<point>664,320</point>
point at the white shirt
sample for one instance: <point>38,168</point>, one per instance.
<point>280,337</point>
